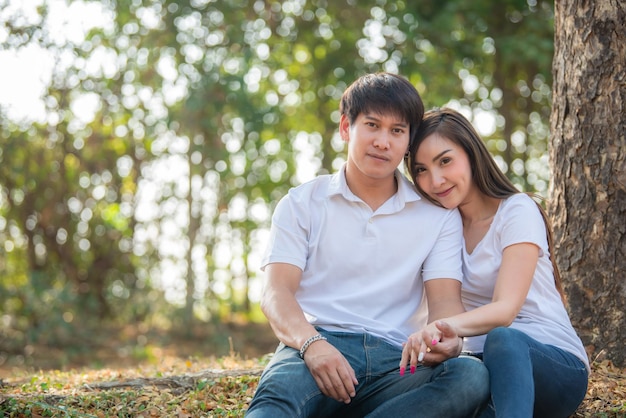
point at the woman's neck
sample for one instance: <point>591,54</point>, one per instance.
<point>478,209</point>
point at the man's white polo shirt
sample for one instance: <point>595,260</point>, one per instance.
<point>362,271</point>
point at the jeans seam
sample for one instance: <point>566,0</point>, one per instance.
<point>306,400</point>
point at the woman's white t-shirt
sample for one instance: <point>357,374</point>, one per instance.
<point>543,316</point>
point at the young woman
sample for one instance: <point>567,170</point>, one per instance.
<point>515,318</point>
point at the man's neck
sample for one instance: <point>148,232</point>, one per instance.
<point>374,192</point>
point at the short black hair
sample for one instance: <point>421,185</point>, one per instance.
<point>383,93</point>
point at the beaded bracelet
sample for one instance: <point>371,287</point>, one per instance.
<point>307,343</point>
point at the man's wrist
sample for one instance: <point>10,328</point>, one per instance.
<point>307,343</point>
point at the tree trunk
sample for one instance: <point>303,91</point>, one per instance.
<point>587,157</point>
<point>192,233</point>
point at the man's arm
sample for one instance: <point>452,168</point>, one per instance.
<point>332,372</point>
<point>443,270</point>
<point>281,308</point>
<point>444,298</point>
<point>444,301</point>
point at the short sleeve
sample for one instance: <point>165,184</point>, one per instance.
<point>288,234</point>
<point>445,259</point>
<point>522,223</point>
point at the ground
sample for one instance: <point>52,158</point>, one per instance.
<point>206,372</point>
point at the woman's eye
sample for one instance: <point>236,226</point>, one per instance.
<point>445,160</point>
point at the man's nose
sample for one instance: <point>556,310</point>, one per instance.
<point>382,140</point>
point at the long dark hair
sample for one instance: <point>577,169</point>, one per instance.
<point>486,174</point>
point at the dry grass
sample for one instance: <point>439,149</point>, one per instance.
<point>606,395</point>
<point>209,387</point>
<point>172,388</point>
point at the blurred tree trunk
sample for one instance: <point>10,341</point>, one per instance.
<point>192,233</point>
<point>588,159</point>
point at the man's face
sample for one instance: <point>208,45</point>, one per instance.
<point>376,143</point>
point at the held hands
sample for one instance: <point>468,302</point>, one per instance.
<point>432,345</point>
<point>331,371</point>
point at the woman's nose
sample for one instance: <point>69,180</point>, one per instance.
<point>437,178</point>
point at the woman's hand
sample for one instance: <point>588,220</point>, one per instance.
<point>432,345</point>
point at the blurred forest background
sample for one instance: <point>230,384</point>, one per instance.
<point>136,188</point>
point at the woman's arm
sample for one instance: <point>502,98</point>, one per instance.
<point>514,279</point>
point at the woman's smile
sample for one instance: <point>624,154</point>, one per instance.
<point>444,193</point>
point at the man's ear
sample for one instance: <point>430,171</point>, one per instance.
<point>344,128</point>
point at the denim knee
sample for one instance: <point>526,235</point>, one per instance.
<point>472,375</point>
<point>286,388</point>
<point>502,337</point>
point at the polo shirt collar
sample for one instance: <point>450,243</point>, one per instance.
<point>339,186</point>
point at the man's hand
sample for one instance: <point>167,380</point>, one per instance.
<point>331,371</point>
<point>430,346</point>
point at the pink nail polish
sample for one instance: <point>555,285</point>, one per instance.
<point>434,342</point>
<point>412,369</point>
<point>402,371</point>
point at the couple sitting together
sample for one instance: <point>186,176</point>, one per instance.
<point>432,298</point>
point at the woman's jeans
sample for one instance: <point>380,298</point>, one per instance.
<point>531,379</point>
<point>455,388</point>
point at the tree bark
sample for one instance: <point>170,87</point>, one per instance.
<point>588,160</point>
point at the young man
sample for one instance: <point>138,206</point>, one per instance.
<point>357,261</point>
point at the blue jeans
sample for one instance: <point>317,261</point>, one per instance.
<point>455,388</point>
<point>531,379</point>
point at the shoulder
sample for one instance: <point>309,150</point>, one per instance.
<point>520,203</point>
<point>519,220</point>
<point>424,213</point>
<point>520,198</point>
<point>301,201</point>
<point>310,190</point>
<point>421,203</point>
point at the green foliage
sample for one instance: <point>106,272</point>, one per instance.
<point>153,204</point>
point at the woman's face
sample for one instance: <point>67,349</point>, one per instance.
<point>443,171</point>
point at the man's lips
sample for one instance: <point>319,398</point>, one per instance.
<point>379,157</point>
